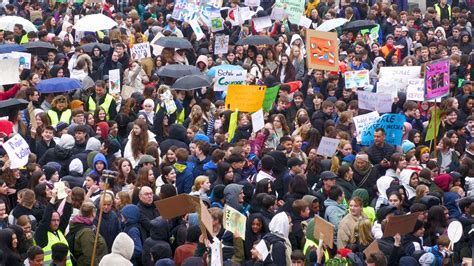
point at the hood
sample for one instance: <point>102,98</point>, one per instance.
<point>203,59</point>
<point>65,26</point>
<point>330,202</point>
<point>296,37</point>
<point>462,103</point>
<point>450,202</point>
<point>440,29</point>
<point>405,176</point>
<point>54,70</point>
<point>279,225</point>
<point>377,60</point>
<point>93,144</point>
<point>159,229</point>
<point>210,166</point>
<point>363,194</point>
<point>66,142</point>
<point>178,132</point>
<point>231,195</point>
<point>443,181</point>
<point>123,245</point>
<point>280,162</point>
<point>61,153</point>
<point>131,213</point>
<point>181,167</point>
<point>465,33</point>
<point>382,184</point>
<point>58,57</point>
<point>100,157</point>
<point>76,166</point>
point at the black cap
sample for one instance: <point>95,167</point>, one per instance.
<point>328,175</point>
<point>294,162</point>
<point>384,211</point>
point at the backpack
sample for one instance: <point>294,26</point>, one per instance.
<point>71,239</point>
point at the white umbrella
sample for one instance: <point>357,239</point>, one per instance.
<point>332,24</point>
<point>95,22</point>
<point>8,22</point>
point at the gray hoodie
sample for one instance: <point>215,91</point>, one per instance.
<point>122,251</point>
<point>231,195</point>
<point>374,72</point>
<point>334,213</point>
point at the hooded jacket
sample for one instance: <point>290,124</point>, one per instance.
<point>122,251</point>
<point>374,72</point>
<point>382,184</point>
<point>184,176</point>
<point>59,154</point>
<point>177,137</point>
<point>159,235</point>
<point>81,235</point>
<point>99,158</point>
<point>465,47</point>
<point>334,213</point>
<point>202,59</point>
<point>278,240</point>
<point>405,177</point>
<point>131,227</point>
<point>295,37</point>
<point>231,195</point>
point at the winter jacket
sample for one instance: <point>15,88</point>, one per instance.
<point>112,228</point>
<point>334,214</point>
<point>184,176</point>
<point>128,153</point>
<point>374,72</point>
<point>147,213</point>
<point>405,177</point>
<point>177,137</point>
<point>122,250</point>
<point>346,228</point>
<point>159,235</point>
<point>131,227</point>
<point>59,155</point>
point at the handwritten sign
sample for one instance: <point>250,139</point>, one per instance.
<point>197,29</point>
<point>327,146</point>
<point>357,79</point>
<point>380,102</point>
<point>234,221</point>
<point>245,98</point>
<point>252,2</point>
<point>140,51</point>
<point>270,96</point>
<point>305,22</point>
<point>24,58</point>
<point>217,24</point>
<point>294,9</point>
<point>114,81</point>
<point>18,151</point>
<point>386,87</point>
<point>398,77</point>
<point>393,126</point>
<point>437,79</point>
<point>362,121</point>
<point>227,77</point>
<point>221,45</point>
<point>322,49</point>
<point>261,23</point>
<point>278,14</point>
<point>258,121</point>
<point>416,90</point>
<point>10,73</point>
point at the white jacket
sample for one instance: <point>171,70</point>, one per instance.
<point>122,251</point>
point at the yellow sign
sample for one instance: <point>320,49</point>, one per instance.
<point>245,98</point>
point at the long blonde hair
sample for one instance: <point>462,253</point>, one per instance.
<point>362,233</point>
<point>198,182</point>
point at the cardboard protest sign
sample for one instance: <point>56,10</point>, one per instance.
<point>325,229</point>
<point>18,151</point>
<point>25,59</point>
<point>416,90</point>
<point>258,121</point>
<point>114,81</point>
<point>294,9</point>
<point>386,87</point>
<point>217,24</point>
<point>270,96</point>
<point>232,125</point>
<point>400,224</point>
<point>433,126</point>
<point>436,79</point>
<point>221,45</point>
<point>227,77</point>
<point>278,14</point>
<point>94,1</point>
<point>176,206</point>
<point>261,23</point>
<point>140,51</point>
<point>245,98</point>
<point>234,221</point>
<point>380,102</point>
<point>398,77</point>
<point>32,116</point>
<point>205,219</point>
<point>327,146</point>
<point>357,79</point>
<point>322,50</point>
<point>10,73</point>
<point>393,126</point>
<point>362,121</point>
<point>372,248</point>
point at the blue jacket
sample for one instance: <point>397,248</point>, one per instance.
<point>99,158</point>
<point>131,227</point>
<point>184,177</point>
<point>334,213</point>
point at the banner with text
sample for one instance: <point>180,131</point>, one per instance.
<point>393,126</point>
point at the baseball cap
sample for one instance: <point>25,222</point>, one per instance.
<point>327,175</point>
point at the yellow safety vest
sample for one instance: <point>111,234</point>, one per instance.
<point>48,252</point>
<point>179,118</point>
<point>309,243</point>
<point>438,10</point>
<point>65,116</point>
<point>106,104</point>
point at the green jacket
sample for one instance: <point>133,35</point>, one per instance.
<point>82,236</point>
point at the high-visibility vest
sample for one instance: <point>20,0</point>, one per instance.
<point>106,104</point>
<point>65,116</point>
<point>438,10</point>
<point>309,243</point>
<point>48,251</point>
<point>180,115</point>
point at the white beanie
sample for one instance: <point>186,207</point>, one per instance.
<point>93,144</point>
<point>66,142</point>
<point>76,166</point>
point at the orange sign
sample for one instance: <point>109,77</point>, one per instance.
<point>322,50</point>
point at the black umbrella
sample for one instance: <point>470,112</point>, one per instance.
<point>177,71</point>
<point>257,40</point>
<point>355,26</point>
<point>10,105</point>
<point>39,48</point>
<point>174,42</point>
<point>90,46</point>
<point>191,82</point>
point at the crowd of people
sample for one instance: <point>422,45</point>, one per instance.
<point>274,176</point>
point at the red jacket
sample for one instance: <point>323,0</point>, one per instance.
<point>10,93</point>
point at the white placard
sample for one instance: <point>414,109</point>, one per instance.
<point>25,59</point>
<point>362,121</point>
<point>262,23</point>
<point>18,151</point>
<point>262,249</point>
<point>226,77</point>
<point>245,13</point>
<point>305,22</point>
<point>9,74</point>
<point>258,122</point>
<point>387,88</point>
<point>416,90</point>
<point>140,51</point>
<point>235,17</point>
<point>169,102</point>
<point>252,2</point>
<point>60,190</point>
<point>221,45</point>
<point>114,81</point>
<point>197,29</point>
<point>398,77</point>
<point>327,146</point>
<point>278,14</point>
<point>380,102</point>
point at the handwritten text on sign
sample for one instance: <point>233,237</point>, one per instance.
<point>18,151</point>
<point>362,121</point>
<point>226,77</point>
<point>393,126</point>
<point>327,146</point>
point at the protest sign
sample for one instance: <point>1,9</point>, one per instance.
<point>10,73</point>
<point>245,13</point>
<point>294,9</point>
<point>400,224</point>
<point>327,146</point>
<point>386,87</point>
<point>205,218</point>
<point>436,79</point>
<point>25,59</point>
<point>234,221</point>
<point>261,23</point>
<point>270,96</point>
<point>325,230</point>
<point>262,250</point>
<point>176,206</point>
<point>372,248</point>
<point>94,1</point>
<point>227,77</point>
<point>36,14</point>
<point>140,51</point>
<point>235,17</point>
<point>60,190</point>
<point>278,14</point>
<point>18,151</point>
<point>380,102</point>
<point>184,11</point>
<point>305,22</point>
<point>362,121</point>
<point>393,126</point>
<point>197,29</point>
<point>258,122</point>
<point>114,81</point>
<point>170,105</point>
<point>357,79</point>
<point>252,2</point>
<point>322,49</point>
<point>221,45</point>
<point>433,126</point>
<point>245,98</point>
<point>398,77</point>
<point>233,125</point>
<point>416,90</point>
<point>216,252</point>
<point>217,24</point>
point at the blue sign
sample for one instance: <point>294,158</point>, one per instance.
<point>393,126</point>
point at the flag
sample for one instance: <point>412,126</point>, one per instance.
<point>432,127</point>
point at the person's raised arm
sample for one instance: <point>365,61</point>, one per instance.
<point>41,233</point>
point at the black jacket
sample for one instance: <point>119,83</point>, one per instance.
<point>176,138</point>
<point>59,155</point>
<point>159,235</point>
<point>147,213</point>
